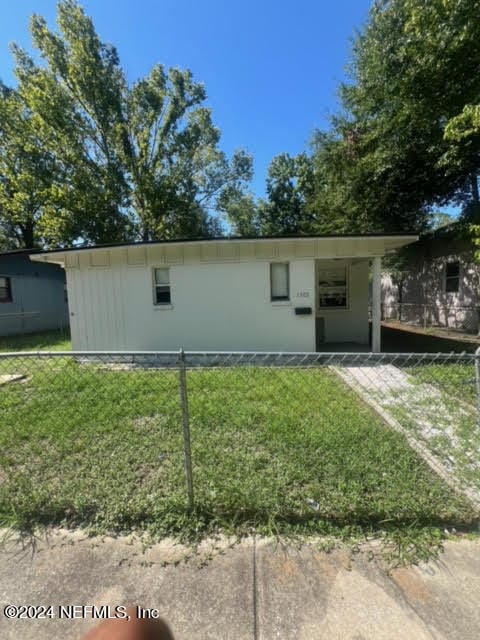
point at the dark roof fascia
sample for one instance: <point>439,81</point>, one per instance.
<point>19,252</point>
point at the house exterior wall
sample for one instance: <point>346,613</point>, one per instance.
<point>38,296</point>
<point>422,292</point>
<point>219,302</point>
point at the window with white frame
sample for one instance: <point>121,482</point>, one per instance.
<point>452,277</point>
<point>162,294</point>
<point>5,289</point>
<point>279,281</point>
<point>332,287</point>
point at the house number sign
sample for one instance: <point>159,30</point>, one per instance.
<point>302,294</point>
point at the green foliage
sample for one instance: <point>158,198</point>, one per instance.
<point>287,180</point>
<point>475,235</point>
<point>27,174</point>
<point>169,146</point>
<point>284,212</point>
<point>408,135</point>
<point>124,162</point>
<point>242,212</point>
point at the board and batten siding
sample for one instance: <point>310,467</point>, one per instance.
<point>218,302</point>
<point>215,306</point>
<point>96,301</point>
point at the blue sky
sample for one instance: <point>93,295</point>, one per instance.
<point>271,68</point>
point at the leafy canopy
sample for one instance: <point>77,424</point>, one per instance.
<point>139,161</point>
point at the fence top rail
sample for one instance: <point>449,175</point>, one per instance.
<point>312,355</point>
<point>432,304</point>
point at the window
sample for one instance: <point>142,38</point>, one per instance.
<point>332,288</point>
<point>5,289</point>
<point>162,286</point>
<point>452,277</point>
<point>279,281</point>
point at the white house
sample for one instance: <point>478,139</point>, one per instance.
<point>226,294</point>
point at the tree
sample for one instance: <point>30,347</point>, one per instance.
<point>75,98</point>
<point>169,146</point>
<point>242,212</point>
<point>138,161</point>
<point>406,139</point>
<point>27,174</point>
<point>284,212</point>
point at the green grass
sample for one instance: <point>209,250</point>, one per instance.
<point>451,410</point>
<point>456,379</point>
<point>45,341</point>
<point>102,449</point>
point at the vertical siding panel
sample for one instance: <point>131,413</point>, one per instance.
<point>81,310</point>
<point>99,337</point>
<point>96,328</point>
<point>109,326</point>
<point>87,308</point>
<point>84,310</point>
<point>121,295</point>
<point>103,307</point>
<point>73,307</point>
<point>117,306</point>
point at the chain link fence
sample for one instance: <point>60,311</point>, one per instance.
<point>455,318</point>
<point>120,441</point>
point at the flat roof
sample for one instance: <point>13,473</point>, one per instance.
<point>346,245</point>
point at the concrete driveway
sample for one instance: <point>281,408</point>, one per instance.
<point>249,591</point>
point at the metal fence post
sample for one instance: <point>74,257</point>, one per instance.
<point>186,428</point>
<point>477,382</point>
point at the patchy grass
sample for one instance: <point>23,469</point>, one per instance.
<point>280,451</point>
<point>45,341</point>
<point>442,410</point>
<point>456,379</point>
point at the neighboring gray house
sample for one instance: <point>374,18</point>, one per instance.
<point>437,282</point>
<point>32,295</point>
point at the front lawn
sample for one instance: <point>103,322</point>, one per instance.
<point>275,450</point>
<point>444,398</point>
<point>457,379</point>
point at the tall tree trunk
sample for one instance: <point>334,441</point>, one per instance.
<point>28,235</point>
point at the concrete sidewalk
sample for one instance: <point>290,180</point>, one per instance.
<point>252,590</point>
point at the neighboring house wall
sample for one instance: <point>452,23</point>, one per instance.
<point>217,303</point>
<point>423,289</point>
<point>37,296</point>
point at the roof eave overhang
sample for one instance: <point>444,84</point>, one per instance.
<point>379,245</point>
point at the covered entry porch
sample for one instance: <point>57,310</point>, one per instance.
<point>345,290</point>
